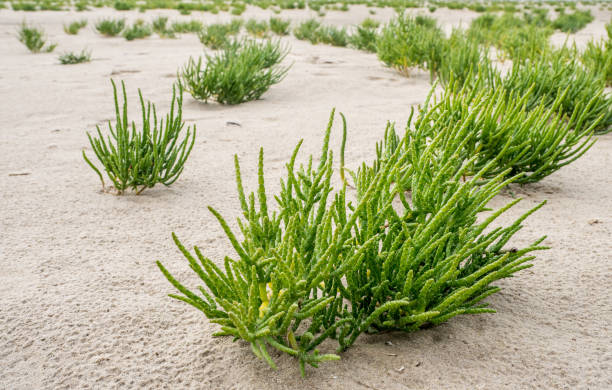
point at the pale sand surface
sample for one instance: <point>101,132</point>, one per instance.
<point>82,304</point>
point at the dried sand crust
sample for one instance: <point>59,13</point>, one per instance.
<point>82,304</point>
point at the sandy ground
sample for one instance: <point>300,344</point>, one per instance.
<point>82,304</point>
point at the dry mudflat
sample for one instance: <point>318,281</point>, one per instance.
<point>82,304</point>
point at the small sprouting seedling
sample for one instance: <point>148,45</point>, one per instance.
<point>75,58</point>
<point>138,30</point>
<point>110,27</point>
<point>74,27</point>
<point>140,158</point>
<point>34,39</point>
<point>279,26</point>
<point>160,26</point>
<point>242,72</point>
<point>258,29</point>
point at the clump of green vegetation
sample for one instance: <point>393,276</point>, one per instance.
<point>34,39</point>
<point>238,9</point>
<point>370,23</point>
<point>331,35</point>
<point>364,38</point>
<point>307,30</point>
<point>110,27</point>
<point>279,26</point>
<point>322,267</point>
<point>597,57</point>
<point>74,27</point>
<point>138,30</point>
<point>75,58</point>
<point>462,59</point>
<point>141,158</point>
<point>193,26</point>
<point>517,38</point>
<point>514,131</point>
<point>408,42</point>
<point>241,72</point>
<point>23,6</point>
<point>160,26</point>
<point>573,22</point>
<point>216,36</point>
<point>124,5</point>
<point>257,28</point>
<point>555,73</point>
<point>313,31</point>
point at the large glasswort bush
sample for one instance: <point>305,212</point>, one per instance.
<point>241,72</point>
<point>139,158</point>
<point>324,267</point>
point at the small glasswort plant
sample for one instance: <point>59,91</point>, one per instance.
<point>34,39</point>
<point>141,158</point>
<point>74,27</point>
<point>75,58</point>
<point>241,72</point>
<point>110,27</point>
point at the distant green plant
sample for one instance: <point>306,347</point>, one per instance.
<point>517,38</point>
<point>138,30</point>
<point>527,138</point>
<point>110,27</point>
<point>81,6</point>
<point>256,28</point>
<point>23,6</point>
<point>574,22</point>
<point>34,39</point>
<point>407,42</point>
<point>74,27</point>
<point>555,73</point>
<point>364,38</point>
<point>193,26</point>
<point>124,5</point>
<point>462,59</point>
<point>279,26</point>
<point>332,35</point>
<point>307,30</point>
<point>160,26</point>
<point>238,9</point>
<point>369,23</point>
<point>75,58</point>
<point>241,72</point>
<point>141,158</point>
<point>597,57</point>
<point>216,36</point>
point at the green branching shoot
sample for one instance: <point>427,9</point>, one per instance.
<point>139,158</point>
